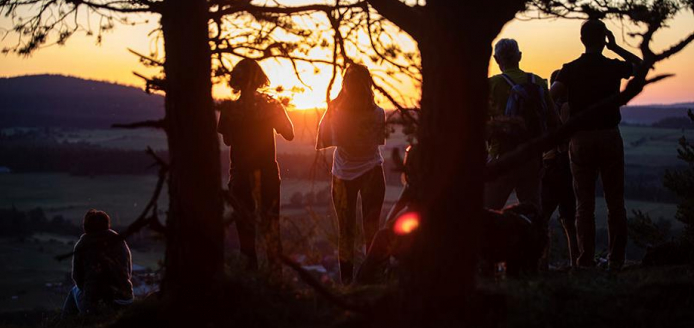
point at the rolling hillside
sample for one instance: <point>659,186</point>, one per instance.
<point>69,102</point>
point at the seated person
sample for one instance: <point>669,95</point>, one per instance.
<point>101,268</point>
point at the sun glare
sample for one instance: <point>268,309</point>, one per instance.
<point>406,223</point>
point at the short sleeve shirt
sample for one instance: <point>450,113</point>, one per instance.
<point>500,91</point>
<point>249,126</point>
<point>590,79</point>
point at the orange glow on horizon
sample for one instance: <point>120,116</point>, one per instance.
<point>546,45</point>
<point>406,223</point>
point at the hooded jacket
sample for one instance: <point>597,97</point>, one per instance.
<point>102,267</point>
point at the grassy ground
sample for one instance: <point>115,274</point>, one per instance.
<point>637,297</point>
<point>31,278</point>
<point>634,298</point>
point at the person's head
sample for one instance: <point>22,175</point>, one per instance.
<point>594,34</point>
<point>247,75</point>
<point>357,85</point>
<point>95,221</point>
<point>553,77</point>
<point>507,54</point>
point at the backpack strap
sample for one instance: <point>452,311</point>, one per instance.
<point>508,80</point>
<point>531,77</point>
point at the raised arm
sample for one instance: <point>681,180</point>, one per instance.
<point>283,124</point>
<point>325,131</point>
<point>625,54</point>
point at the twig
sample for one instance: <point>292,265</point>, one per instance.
<point>143,220</point>
<point>158,124</point>
<point>321,289</point>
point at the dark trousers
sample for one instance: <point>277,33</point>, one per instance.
<point>258,192</point>
<point>557,192</point>
<point>371,187</point>
<point>525,180</point>
<point>594,153</point>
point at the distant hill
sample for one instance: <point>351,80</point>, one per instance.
<point>70,102</point>
<point>650,114</point>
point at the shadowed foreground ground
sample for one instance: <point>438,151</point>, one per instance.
<point>636,297</point>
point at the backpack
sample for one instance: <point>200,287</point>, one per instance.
<point>527,101</point>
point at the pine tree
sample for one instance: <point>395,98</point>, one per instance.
<point>681,182</point>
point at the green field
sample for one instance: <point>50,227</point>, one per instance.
<point>653,147</point>
<point>123,197</point>
<point>29,266</point>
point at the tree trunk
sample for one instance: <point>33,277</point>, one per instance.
<point>194,250</point>
<point>455,50</point>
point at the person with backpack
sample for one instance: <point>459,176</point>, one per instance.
<point>248,127</point>
<point>597,149</point>
<point>520,109</point>
<point>355,125</point>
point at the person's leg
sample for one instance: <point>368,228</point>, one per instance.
<point>376,261</point>
<point>373,191</point>
<point>70,307</point>
<point>585,174</point>
<point>496,192</point>
<point>270,209</point>
<point>549,200</point>
<point>344,195</point>
<point>528,180</point>
<point>241,189</point>
<point>612,175</point>
<point>567,208</point>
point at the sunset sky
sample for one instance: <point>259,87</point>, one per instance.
<point>546,45</point>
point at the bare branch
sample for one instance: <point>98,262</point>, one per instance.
<point>231,7</point>
<point>402,15</point>
<point>143,220</point>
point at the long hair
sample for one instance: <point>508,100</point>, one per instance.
<point>357,88</point>
<point>248,75</point>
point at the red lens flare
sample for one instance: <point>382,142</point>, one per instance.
<point>406,223</point>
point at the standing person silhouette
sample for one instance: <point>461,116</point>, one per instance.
<point>355,125</point>
<point>557,188</point>
<point>598,148</point>
<point>248,126</point>
<point>523,99</point>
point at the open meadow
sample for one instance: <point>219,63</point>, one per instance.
<point>31,278</point>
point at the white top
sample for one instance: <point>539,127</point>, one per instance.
<point>357,137</point>
<point>349,165</point>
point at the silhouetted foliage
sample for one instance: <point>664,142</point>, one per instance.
<point>681,182</point>
<point>645,232</point>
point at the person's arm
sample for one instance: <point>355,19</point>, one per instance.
<point>78,266</point>
<point>223,125</point>
<point>381,126</point>
<point>324,138</point>
<point>553,120</point>
<point>283,124</point>
<point>625,54</point>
